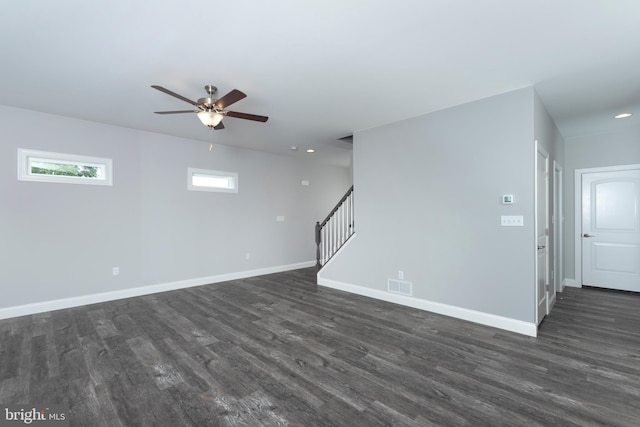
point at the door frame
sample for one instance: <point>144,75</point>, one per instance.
<point>541,150</point>
<point>558,227</point>
<point>577,192</point>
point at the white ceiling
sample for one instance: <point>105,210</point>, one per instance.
<point>319,69</point>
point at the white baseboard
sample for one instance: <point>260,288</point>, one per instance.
<point>571,283</point>
<point>41,307</point>
<point>512,325</point>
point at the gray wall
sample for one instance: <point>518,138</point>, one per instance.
<point>59,240</point>
<point>428,202</point>
<point>620,147</point>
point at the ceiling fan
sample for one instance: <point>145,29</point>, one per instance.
<point>210,110</point>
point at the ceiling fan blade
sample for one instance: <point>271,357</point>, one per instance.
<point>168,92</point>
<point>230,98</point>
<point>219,126</point>
<point>246,116</point>
<point>177,112</point>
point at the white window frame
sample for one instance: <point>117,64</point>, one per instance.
<point>27,157</point>
<point>231,177</point>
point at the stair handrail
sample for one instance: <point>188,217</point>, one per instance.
<point>335,209</point>
<point>320,225</point>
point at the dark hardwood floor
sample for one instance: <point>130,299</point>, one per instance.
<point>268,351</point>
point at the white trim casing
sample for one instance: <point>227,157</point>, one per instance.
<point>577,193</point>
<point>517,326</point>
<point>558,225</point>
<point>25,157</point>
<point>539,148</point>
<point>41,307</point>
<point>231,177</point>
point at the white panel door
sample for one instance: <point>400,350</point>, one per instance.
<point>611,230</point>
<point>542,237</point>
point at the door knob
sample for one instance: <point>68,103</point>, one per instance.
<point>541,247</point>
<point>588,235</point>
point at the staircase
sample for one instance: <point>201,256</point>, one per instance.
<point>335,230</point>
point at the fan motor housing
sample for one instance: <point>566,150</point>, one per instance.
<point>206,103</point>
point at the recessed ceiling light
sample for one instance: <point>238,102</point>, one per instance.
<point>311,150</point>
<point>622,116</point>
<point>294,148</point>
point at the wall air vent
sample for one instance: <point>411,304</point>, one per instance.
<point>400,287</point>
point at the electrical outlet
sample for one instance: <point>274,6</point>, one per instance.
<point>400,274</point>
<point>512,221</point>
<point>247,256</point>
<point>116,271</point>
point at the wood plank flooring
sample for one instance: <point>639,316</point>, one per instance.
<point>269,351</point>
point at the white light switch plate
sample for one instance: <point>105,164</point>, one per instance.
<point>512,221</point>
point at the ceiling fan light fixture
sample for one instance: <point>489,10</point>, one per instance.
<point>210,118</point>
<point>211,111</point>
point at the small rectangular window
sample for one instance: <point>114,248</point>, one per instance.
<point>45,166</point>
<point>209,180</point>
